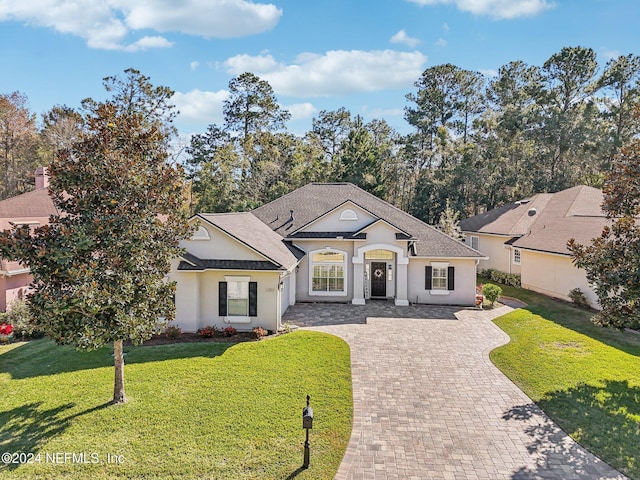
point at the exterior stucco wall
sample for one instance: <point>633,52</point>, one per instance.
<point>302,276</point>
<point>554,275</point>
<point>220,246</point>
<point>382,233</point>
<point>493,247</point>
<point>332,223</point>
<point>464,288</point>
<point>12,288</point>
<point>197,299</point>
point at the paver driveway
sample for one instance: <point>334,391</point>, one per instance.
<point>428,403</point>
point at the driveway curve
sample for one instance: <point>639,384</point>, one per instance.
<point>428,403</point>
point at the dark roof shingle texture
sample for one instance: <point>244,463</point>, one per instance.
<point>315,199</point>
<point>572,213</point>
<point>252,232</point>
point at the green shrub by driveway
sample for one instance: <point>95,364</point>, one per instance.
<point>195,410</point>
<point>586,378</point>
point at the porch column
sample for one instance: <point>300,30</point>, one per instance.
<point>358,281</point>
<point>402,282</point>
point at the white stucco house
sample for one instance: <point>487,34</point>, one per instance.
<point>529,238</point>
<point>325,242</point>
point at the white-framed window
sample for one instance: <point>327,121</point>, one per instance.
<point>439,278</point>
<point>328,272</point>
<point>378,255</point>
<point>517,256</point>
<point>201,234</point>
<point>473,242</point>
<point>348,214</point>
<point>237,298</point>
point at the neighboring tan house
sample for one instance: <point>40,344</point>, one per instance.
<point>530,237</point>
<point>31,208</point>
<point>330,242</point>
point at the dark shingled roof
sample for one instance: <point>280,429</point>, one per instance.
<point>246,228</point>
<point>205,264</point>
<point>315,199</point>
<point>511,220</point>
<point>346,235</point>
<point>572,213</point>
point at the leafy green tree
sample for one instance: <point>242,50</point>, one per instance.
<point>360,163</point>
<point>449,222</point>
<point>18,145</point>
<point>62,127</point>
<point>568,118</point>
<point>252,106</point>
<point>332,129</point>
<point>620,82</point>
<point>491,292</point>
<point>612,260</point>
<point>100,267</point>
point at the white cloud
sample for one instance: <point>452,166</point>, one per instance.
<point>105,24</point>
<point>499,9</point>
<point>194,65</point>
<point>402,37</point>
<point>205,18</point>
<point>446,28</point>
<point>441,42</point>
<point>337,72</point>
<point>300,111</point>
<point>148,42</point>
<point>247,63</point>
<point>197,106</point>
<point>489,73</point>
<point>609,54</point>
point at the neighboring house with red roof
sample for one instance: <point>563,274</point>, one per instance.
<point>324,242</point>
<point>530,237</point>
<point>32,208</point>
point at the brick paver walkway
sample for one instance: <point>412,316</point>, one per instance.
<point>428,403</point>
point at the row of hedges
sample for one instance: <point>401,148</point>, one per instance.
<point>501,277</point>
<point>19,316</point>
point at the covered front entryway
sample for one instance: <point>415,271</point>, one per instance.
<point>380,272</point>
<point>378,280</point>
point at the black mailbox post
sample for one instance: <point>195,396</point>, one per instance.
<point>307,424</point>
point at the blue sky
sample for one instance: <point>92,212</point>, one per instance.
<point>363,55</point>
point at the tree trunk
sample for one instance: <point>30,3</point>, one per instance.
<point>118,361</point>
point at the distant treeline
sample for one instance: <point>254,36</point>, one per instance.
<point>477,142</point>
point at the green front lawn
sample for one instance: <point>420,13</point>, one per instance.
<point>586,378</point>
<point>195,410</point>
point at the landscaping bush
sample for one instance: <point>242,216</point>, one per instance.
<point>491,292</point>
<point>578,298</point>
<point>209,331</point>
<point>260,332</point>
<point>172,332</point>
<point>230,332</point>
<point>512,279</point>
<point>20,317</point>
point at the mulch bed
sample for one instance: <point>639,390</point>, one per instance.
<point>195,337</point>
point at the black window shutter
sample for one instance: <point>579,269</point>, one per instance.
<point>253,299</point>
<point>428,278</point>
<point>451,280</point>
<point>222,299</point>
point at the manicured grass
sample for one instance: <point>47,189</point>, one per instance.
<point>586,378</point>
<point>195,410</point>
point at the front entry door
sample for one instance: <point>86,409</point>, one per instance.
<point>378,279</point>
